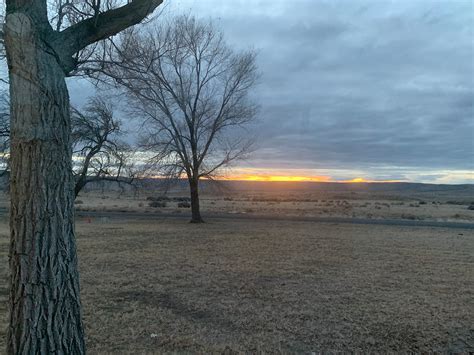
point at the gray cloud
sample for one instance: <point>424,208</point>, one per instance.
<point>358,84</point>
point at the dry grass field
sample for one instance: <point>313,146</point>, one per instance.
<point>280,206</point>
<point>418,203</point>
<point>241,285</point>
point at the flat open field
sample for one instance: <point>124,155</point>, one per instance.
<point>412,202</point>
<point>252,285</point>
<point>416,202</point>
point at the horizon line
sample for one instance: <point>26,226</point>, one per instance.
<point>352,182</point>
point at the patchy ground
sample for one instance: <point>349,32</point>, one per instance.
<point>424,208</point>
<point>412,202</point>
<point>165,285</point>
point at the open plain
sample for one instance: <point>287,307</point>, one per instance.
<point>159,284</point>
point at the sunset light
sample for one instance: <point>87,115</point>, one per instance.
<point>244,176</point>
<point>299,178</point>
<point>357,180</point>
<point>280,178</point>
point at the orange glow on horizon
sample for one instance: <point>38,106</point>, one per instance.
<point>357,180</point>
<point>279,178</point>
<point>289,178</point>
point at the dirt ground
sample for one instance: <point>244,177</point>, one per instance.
<point>168,286</point>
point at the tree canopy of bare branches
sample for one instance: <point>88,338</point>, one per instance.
<point>98,152</point>
<point>192,90</point>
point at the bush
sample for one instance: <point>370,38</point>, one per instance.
<point>182,199</point>
<point>78,202</point>
<point>157,204</point>
<point>456,203</point>
<point>184,205</point>
<point>471,207</point>
<point>158,198</point>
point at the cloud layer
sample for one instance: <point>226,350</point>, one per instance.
<point>379,87</point>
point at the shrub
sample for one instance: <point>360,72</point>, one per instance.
<point>184,205</point>
<point>182,199</point>
<point>455,203</point>
<point>471,207</point>
<point>157,204</point>
<point>158,198</point>
<point>78,202</point>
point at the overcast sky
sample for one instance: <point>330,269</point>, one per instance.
<point>382,90</point>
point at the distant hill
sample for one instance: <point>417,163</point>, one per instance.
<point>396,190</point>
<point>355,190</point>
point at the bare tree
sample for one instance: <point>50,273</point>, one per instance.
<point>45,308</point>
<point>193,91</point>
<point>98,152</point>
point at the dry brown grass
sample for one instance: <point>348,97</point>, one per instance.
<point>161,286</point>
<point>274,204</point>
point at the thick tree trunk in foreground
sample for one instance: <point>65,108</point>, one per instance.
<point>45,312</point>
<point>196,213</point>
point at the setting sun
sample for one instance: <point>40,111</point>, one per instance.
<point>357,180</point>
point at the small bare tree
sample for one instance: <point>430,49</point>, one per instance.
<point>98,152</point>
<point>192,90</point>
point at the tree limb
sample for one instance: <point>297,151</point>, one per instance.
<point>106,24</point>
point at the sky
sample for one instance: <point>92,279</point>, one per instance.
<point>374,90</point>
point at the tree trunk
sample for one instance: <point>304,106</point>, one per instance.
<point>45,310</point>
<point>196,213</point>
<point>79,185</point>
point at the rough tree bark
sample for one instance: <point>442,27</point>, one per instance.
<point>45,309</point>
